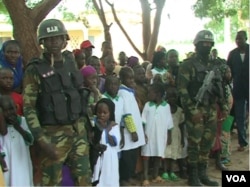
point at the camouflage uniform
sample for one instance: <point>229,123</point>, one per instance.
<point>69,138</point>
<point>201,134</point>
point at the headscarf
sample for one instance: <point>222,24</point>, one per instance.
<point>18,69</point>
<point>87,71</point>
<point>133,61</point>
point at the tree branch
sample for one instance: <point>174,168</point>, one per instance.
<point>42,9</point>
<point>124,31</point>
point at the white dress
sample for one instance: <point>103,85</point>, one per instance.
<point>20,172</point>
<point>131,107</point>
<point>107,164</point>
<point>158,121</point>
<point>175,149</point>
<point>156,71</point>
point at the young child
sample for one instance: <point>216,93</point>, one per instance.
<point>141,89</point>
<point>10,57</point>
<point>174,151</point>
<point>6,84</point>
<point>159,65</point>
<point>133,130</point>
<point>141,95</point>
<point>104,152</point>
<point>112,85</point>
<point>157,122</point>
<point>79,58</point>
<point>226,126</point>
<point>90,81</point>
<point>95,62</point>
<point>15,146</point>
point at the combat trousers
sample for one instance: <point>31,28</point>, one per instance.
<point>201,136</point>
<point>72,147</point>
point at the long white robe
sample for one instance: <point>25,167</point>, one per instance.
<point>20,172</point>
<point>107,164</point>
<point>131,107</point>
<point>175,149</point>
<point>158,120</point>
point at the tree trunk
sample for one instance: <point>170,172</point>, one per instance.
<point>154,35</point>
<point>25,22</point>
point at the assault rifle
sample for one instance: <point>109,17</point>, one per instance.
<point>204,88</point>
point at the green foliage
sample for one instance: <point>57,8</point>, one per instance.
<point>67,15</point>
<point>217,28</point>
<point>217,10</point>
<point>32,3</point>
<point>90,8</point>
<point>3,9</point>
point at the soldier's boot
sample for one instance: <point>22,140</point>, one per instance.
<point>182,170</point>
<point>193,179</point>
<point>202,173</point>
<point>218,163</point>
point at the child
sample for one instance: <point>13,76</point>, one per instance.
<point>159,66</point>
<point>15,146</point>
<point>174,151</point>
<point>133,130</point>
<point>94,61</point>
<point>112,84</point>
<point>90,81</point>
<point>141,89</point>
<point>173,65</point>
<point>103,152</point>
<point>79,58</point>
<point>157,122</point>
<point>10,57</point>
<point>6,84</point>
<point>225,136</point>
<point>141,95</point>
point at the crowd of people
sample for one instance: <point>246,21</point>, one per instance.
<point>69,118</point>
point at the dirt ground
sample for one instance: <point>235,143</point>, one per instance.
<point>239,160</point>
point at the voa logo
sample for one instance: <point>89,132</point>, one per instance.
<point>236,178</point>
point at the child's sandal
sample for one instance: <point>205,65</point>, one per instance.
<point>173,177</point>
<point>165,176</point>
<point>158,179</point>
<point>145,183</point>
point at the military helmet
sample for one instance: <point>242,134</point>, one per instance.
<point>203,36</point>
<point>50,28</point>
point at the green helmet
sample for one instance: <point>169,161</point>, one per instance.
<point>203,36</point>
<point>50,28</point>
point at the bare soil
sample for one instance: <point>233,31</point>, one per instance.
<point>239,162</point>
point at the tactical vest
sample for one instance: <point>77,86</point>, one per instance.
<point>198,77</point>
<point>59,102</point>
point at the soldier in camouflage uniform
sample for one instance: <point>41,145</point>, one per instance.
<point>201,117</point>
<point>53,108</point>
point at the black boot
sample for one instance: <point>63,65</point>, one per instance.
<point>202,173</point>
<point>182,169</point>
<point>218,163</point>
<point>193,179</point>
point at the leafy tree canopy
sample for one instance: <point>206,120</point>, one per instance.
<point>218,9</point>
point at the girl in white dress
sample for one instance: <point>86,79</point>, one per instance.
<point>14,146</point>
<point>176,151</point>
<point>157,122</point>
<point>104,152</point>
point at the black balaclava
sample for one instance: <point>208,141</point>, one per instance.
<point>204,51</point>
